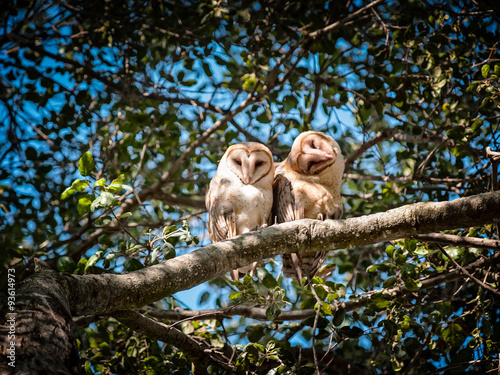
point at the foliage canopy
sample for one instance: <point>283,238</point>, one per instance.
<point>115,114</point>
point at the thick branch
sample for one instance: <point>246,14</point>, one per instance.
<point>124,292</point>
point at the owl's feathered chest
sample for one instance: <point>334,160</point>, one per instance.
<point>250,204</point>
<point>317,195</point>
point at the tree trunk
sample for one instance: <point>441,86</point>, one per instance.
<point>40,326</point>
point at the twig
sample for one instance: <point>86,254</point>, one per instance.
<point>482,243</point>
<point>467,273</point>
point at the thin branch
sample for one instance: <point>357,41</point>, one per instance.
<point>482,243</point>
<point>398,136</point>
<point>195,348</point>
<point>176,200</point>
<point>467,273</point>
<point>340,23</point>
<point>403,179</point>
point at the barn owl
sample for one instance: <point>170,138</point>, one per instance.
<point>307,185</point>
<point>240,196</point>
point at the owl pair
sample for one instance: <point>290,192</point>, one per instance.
<point>250,192</point>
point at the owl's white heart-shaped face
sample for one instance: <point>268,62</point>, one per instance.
<point>249,164</point>
<point>313,152</point>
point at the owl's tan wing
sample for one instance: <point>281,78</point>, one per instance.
<point>285,207</point>
<point>221,218</point>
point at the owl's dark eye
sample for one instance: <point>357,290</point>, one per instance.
<point>238,162</point>
<point>313,145</point>
<point>259,163</point>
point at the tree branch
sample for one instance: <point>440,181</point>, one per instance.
<point>350,17</point>
<point>259,313</point>
<point>403,179</point>
<point>398,136</point>
<point>481,243</point>
<point>124,292</point>
<point>195,348</point>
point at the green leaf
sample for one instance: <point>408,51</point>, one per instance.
<point>101,182</point>
<point>168,250</point>
<point>372,268</point>
<point>217,341</point>
<point>452,334</point>
<point>339,317</point>
<point>389,250</point>
<point>351,332</point>
<point>93,260</point>
<point>326,308</point>
<point>272,311</point>
<point>485,71</point>
<point>66,264</point>
<point>412,285</point>
<point>132,264</point>
<point>116,187</point>
<point>255,333</point>
<point>249,81</point>
<point>379,303</point>
<point>154,255</point>
<point>84,205</point>
<point>235,296</point>
<point>79,185</point>
<point>269,281</point>
<point>390,282</point>
<point>67,192</point>
<point>86,164</point>
<point>421,251</point>
<point>205,296</point>
<point>105,200</point>
<point>81,264</point>
<point>104,240</point>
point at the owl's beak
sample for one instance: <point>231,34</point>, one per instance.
<point>247,173</point>
<point>318,155</point>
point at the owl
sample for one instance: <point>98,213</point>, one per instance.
<point>240,196</point>
<point>307,185</point>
